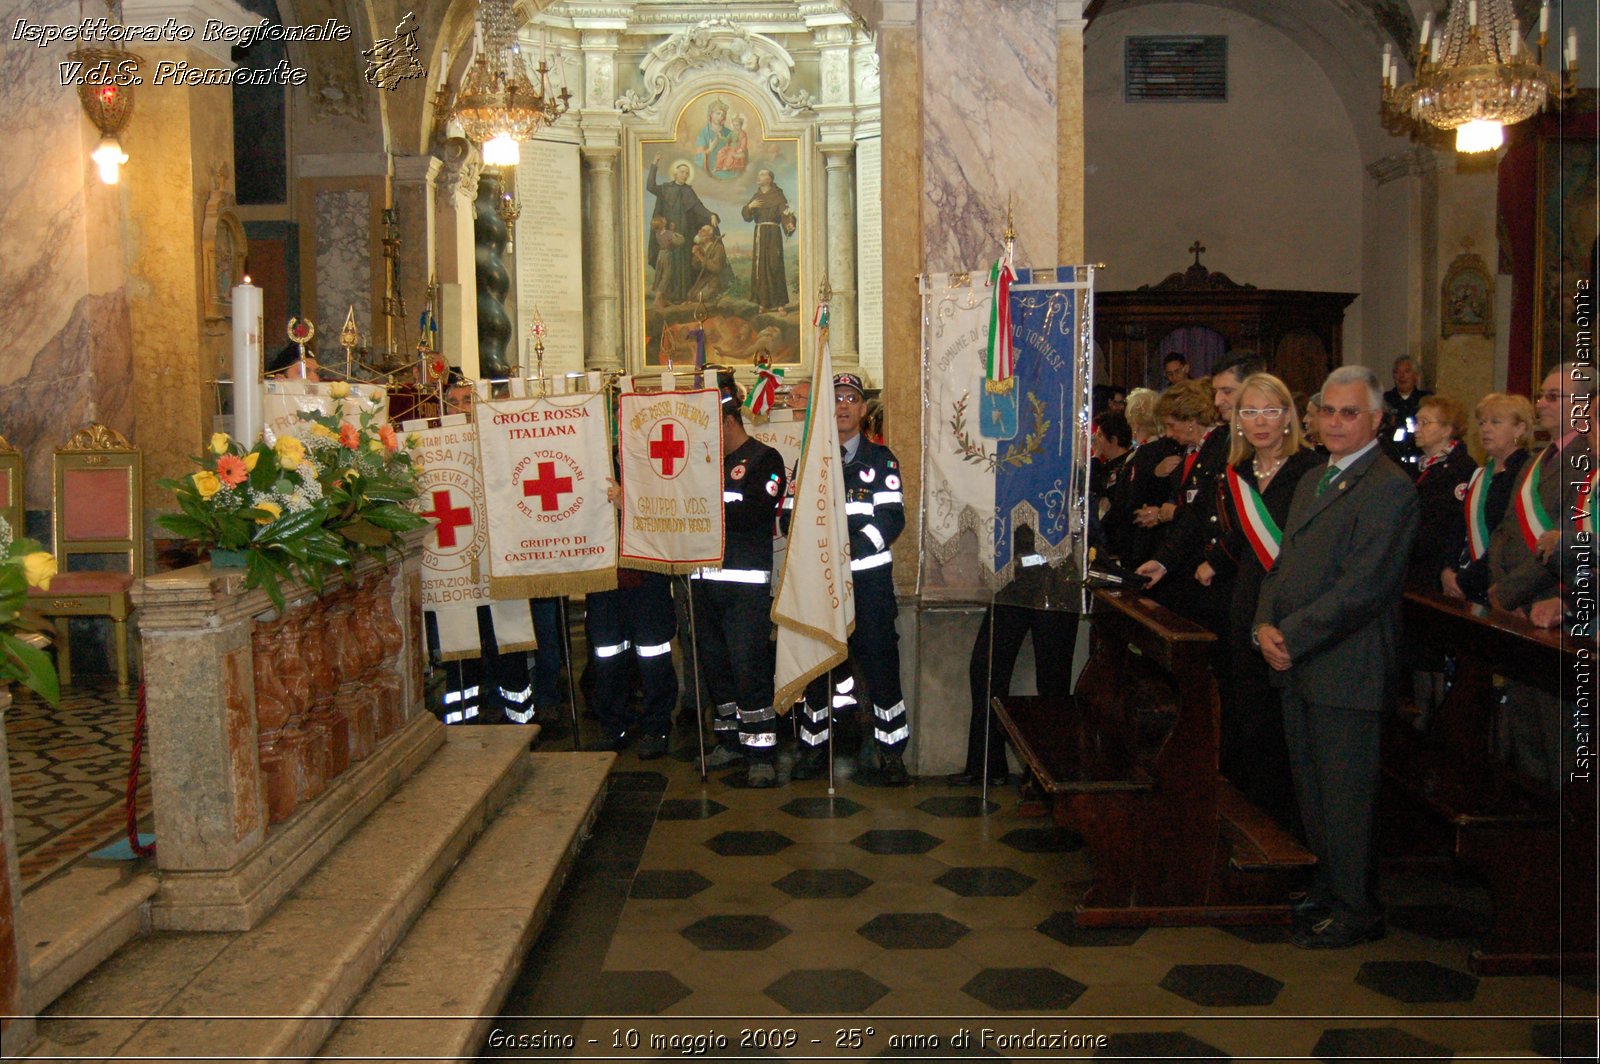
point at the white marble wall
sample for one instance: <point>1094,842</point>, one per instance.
<point>344,267</point>
<point>989,105</point>
<point>64,350</point>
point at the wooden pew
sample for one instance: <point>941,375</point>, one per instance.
<point>1130,763</point>
<point>1535,848</point>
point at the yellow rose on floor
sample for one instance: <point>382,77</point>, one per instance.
<point>272,508</point>
<point>206,483</point>
<point>219,443</point>
<point>291,452</point>
<point>38,567</point>
<point>339,389</point>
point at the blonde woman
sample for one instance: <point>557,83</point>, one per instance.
<point>1505,425</point>
<point>1267,458</point>
<point>1145,484</point>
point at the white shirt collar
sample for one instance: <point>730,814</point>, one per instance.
<point>851,447</point>
<point>1348,460</point>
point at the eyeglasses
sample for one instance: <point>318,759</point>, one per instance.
<point>845,397</point>
<point>1252,412</point>
<point>1344,413</point>
<point>1429,421</point>
<point>1553,396</point>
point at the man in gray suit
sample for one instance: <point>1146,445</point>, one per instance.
<point>1327,622</point>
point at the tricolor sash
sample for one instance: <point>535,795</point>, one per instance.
<point>1259,528</point>
<point>1532,518</point>
<point>1477,506</point>
<point>1587,506</point>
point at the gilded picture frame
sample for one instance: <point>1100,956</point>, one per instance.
<point>1466,304</point>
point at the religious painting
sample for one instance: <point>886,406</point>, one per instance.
<point>1567,224</point>
<point>722,222</point>
<point>1467,302</point>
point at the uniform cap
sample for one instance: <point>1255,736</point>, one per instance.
<point>850,380</point>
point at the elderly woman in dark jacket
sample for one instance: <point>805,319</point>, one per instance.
<point>1505,424</point>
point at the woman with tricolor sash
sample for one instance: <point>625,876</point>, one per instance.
<point>1267,458</point>
<point>1504,424</point>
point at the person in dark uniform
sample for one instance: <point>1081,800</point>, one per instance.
<point>1267,458</point>
<point>1505,423</point>
<point>875,514</point>
<point>1019,612</point>
<point>1400,403</point>
<point>1145,484</point>
<point>732,604</point>
<point>1443,470</point>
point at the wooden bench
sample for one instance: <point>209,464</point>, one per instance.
<point>1130,762</point>
<point>1535,848</point>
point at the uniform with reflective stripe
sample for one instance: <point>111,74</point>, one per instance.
<point>637,620</point>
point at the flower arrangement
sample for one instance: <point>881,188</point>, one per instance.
<point>23,564</point>
<point>305,504</point>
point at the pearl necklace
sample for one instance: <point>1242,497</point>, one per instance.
<point>1262,478</point>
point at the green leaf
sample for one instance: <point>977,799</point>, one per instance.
<point>366,533</point>
<point>32,668</point>
<point>291,526</point>
<point>394,518</point>
<point>184,525</point>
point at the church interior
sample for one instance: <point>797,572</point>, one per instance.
<point>1240,176</point>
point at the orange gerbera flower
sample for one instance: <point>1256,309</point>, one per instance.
<point>348,436</point>
<point>231,470</point>
<point>391,442</point>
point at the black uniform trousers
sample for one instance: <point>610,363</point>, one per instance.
<point>1334,751</point>
<point>875,652</point>
<point>732,629</point>
<point>490,689</point>
<point>1054,634</point>
<point>636,620</point>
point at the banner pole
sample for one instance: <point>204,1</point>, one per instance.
<point>988,706</point>
<point>694,663</point>
<point>572,687</point>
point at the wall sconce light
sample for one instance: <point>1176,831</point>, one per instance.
<point>107,98</point>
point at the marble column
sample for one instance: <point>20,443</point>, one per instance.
<point>842,255</point>
<point>1069,131</point>
<point>411,196</point>
<point>604,302</point>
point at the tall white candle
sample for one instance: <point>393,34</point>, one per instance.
<point>1516,38</point>
<point>1427,25</point>
<point>1472,12</point>
<point>1544,19</point>
<point>248,348</point>
<point>1386,61</point>
<point>1572,46</point>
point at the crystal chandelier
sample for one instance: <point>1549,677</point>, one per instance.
<point>499,105</point>
<point>1477,75</point>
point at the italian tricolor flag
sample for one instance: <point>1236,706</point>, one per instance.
<point>1259,528</point>
<point>1531,515</point>
<point>1587,506</point>
<point>1002,359</point>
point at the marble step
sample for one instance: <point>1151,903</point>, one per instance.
<point>276,990</point>
<point>78,918</point>
<point>437,994</point>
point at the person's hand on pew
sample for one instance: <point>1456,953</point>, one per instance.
<point>1494,599</point>
<point>1547,543</point>
<point>1546,613</point>
<point>1273,647</point>
<point>1204,574</point>
<point>1152,571</point>
<point>1452,586</point>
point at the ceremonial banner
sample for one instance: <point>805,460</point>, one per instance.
<point>784,431</point>
<point>455,573</point>
<point>283,400</point>
<point>545,463</point>
<point>671,447</point>
<point>977,490</point>
<point>815,607</point>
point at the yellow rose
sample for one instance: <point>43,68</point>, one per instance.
<point>319,429</point>
<point>38,567</point>
<point>272,508</point>
<point>206,483</point>
<point>291,452</point>
<point>375,446</point>
<point>219,443</point>
<point>338,389</point>
<point>251,459</point>
<point>413,441</point>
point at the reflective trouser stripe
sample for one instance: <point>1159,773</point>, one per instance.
<point>871,561</point>
<point>733,576</point>
<point>891,727</point>
<point>611,651</point>
<point>757,727</point>
<point>524,717</point>
<point>1028,561</point>
<point>814,724</point>
<point>653,651</point>
<point>457,696</point>
<point>726,720</point>
<point>457,716</point>
<point>845,686</point>
<point>518,697</point>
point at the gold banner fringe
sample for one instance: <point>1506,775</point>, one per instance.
<point>650,565</point>
<point>460,655</point>
<point>520,648</point>
<point>555,585</point>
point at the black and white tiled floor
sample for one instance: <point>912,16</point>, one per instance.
<point>709,909</point>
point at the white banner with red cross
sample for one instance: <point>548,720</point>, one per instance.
<point>455,574</point>
<point>545,463</point>
<point>671,446</point>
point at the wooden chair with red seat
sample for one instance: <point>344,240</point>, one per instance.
<point>98,508</point>
<point>11,477</point>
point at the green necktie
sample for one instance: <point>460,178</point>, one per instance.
<point>1328,477</point>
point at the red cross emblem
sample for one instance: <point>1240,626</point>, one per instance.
<point>667,448</point>
<point>449,517</point>
<point>548,487</point>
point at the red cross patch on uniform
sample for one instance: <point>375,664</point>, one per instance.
<point>868,475</point>
<point>737,472</point>
<point>1461,491</point>
<point>772,487</point>
<point>891,482</point>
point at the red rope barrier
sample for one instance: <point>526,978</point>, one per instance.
<point>131,802</point>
